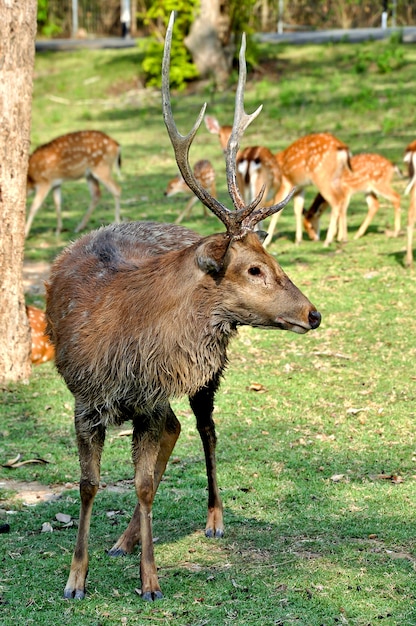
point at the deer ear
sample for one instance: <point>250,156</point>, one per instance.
<point>210,254</point>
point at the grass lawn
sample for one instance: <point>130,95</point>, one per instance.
<point>317,446</point>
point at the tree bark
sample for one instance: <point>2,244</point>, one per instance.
<point>209,41</point>
<point>17,52</point>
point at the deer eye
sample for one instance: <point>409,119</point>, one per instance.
<point>254,271</point>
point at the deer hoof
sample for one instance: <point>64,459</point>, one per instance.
<point>151,596</point>
<point>74,594</point>
<point>210,534</point>
<point>116,552</point>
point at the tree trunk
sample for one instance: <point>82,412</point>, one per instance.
<point>209,41</point>
<point>17,52</point>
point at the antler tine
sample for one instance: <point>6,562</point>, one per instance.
<point>260,214</point>
<point>182,143</point>
<point>241,122</point>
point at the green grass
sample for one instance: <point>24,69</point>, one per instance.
<point>316,531</point>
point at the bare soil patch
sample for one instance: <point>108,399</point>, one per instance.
<point>35,273</point>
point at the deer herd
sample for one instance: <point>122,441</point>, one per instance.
<point>181,297</point>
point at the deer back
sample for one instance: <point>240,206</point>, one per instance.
<point>368,173</point>
<point>204,175</point>
<point>70,156</point>
<point>314,158</point>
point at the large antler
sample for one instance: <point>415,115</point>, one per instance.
<point>244,217</point>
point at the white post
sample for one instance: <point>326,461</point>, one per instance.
<point>74,18</point>
<point>280,21</point>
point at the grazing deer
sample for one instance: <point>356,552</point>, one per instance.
<point>410,159</point>
<point>371,174</point>
<point>204,174</point>
<point>143,312</point>
<point>88,153</point>
<point>42,350</point>
<point>317,159</point>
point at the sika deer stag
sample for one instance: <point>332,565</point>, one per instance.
<point>204,174</point>
<point>371,174</point>
<point>88,153</point>
<point>142,312</point>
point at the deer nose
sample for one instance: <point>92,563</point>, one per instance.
<point>314,319</point>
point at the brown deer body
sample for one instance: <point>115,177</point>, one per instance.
<point>88,153</point>
<point>317,159</point>
<point>371,174</point>
<point>204,174</point>
<point>143,312</point>
<point>41,348</point>
<point>410,159</point>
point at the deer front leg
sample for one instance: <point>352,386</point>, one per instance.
<point>202,404</point>
<point>90,444</point>
<point>131,535</point>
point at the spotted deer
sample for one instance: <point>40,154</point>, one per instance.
<point>371,174</point>
<point>88,153</point>
<point>142,312</point>
<point>316,159</point>
<point>410,159</point>
<point>204,174</point>
<point>41,348</point>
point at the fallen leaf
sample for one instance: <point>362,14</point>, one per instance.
<point>337,477</point>
<point>257,387</point>
<point>394,478</point>
<point>353,411</point>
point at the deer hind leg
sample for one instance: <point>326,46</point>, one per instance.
<point>131,535</point>
<point>298,204</point>
<point>338,219</point>
<point>373,206</point>
<point>103,173</point>
<point>202,404</point>
<point>57,198</point>
<point>90,440</point>
<point>41,193</point>
<point>147,438</point>
<point>95,192</point>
